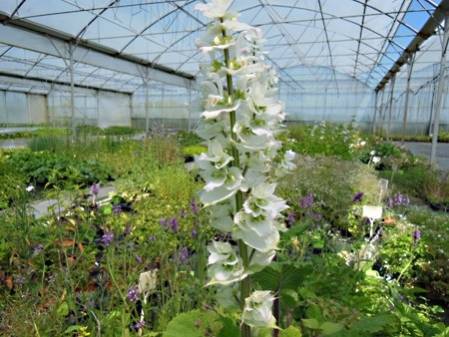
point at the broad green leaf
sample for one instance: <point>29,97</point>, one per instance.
<point>329,328</point>
<point>311,323</point>
<point>194,324</point>
<point>289,298</point>
<point>63,309</point>
<point>291,331</point>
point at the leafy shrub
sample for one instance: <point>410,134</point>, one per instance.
<point>333,184</point>
<point>45,168</point>
<point>326,139</point>
<point>119,131</point>
<point>186,138</point>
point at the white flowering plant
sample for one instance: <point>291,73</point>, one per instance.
<point>241,124</point>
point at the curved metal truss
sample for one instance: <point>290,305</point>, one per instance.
<point>119,44</point>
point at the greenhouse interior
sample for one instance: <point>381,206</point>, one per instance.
<point>224,168</point>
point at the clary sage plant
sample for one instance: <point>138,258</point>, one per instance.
<point>241,122</point>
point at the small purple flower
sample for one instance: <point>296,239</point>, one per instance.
<point>138,325</point>
<point>19,280</point>
<point>316,216</point>
<point>194,207</point>
<point>133,294</point>
<point>307,201</point>
<point>117,209</point>
<point>416,235</point>
<point>151,238</point>
<point>38,249</point>
<point>174,225</point>
<point>95,189</point>
<point>183,255</point>
<point>358,197</point>
<point>138,259</point>
<point>398,200</point>
<point>194,233</point>
<point>107,238</point>
<point>291,219</point>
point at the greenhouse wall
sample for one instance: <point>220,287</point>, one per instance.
<point>22,108</point>
<point>315,94</point>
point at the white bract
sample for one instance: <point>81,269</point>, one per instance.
<point>241,124</point>
<point>257,312</point>
<point>225,266</point>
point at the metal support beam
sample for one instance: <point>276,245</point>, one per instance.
<point>189,111</point>
<point>47,85</point>
<point>28,35</point>
<point>72,89</point>
<point>441,88</point>
<point>390,110</point>
<point>426,31</point>
<point>376,98</point>
<point>147,109</point>
<point>411,63</point>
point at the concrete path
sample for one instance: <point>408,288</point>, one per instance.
<point>7,131</point>
<point>423,150</point>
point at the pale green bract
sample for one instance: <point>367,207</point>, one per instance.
<point>240,125</point>
<point>257,312</point>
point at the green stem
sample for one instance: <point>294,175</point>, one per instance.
<point>245,285</point>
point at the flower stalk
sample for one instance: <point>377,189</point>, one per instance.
<point>240,124</point>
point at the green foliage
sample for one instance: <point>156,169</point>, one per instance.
<point>333,184</point>
<point>291,331</point>
<point>326,139</point>
<point>198,323</point>
<point>186,138</point>
<point>193,150</point>
<point>44,168</point>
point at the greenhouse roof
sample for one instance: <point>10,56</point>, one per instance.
<point>118,44</point>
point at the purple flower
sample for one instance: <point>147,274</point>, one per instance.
<point>194,233</point>
<point>107,238</point>
<point>38,249</point>
<point>151,238</point>
<point>133,294</point>
<point>138,259</point>
<point>194,207</point>
<point>291,219</point>
<point>174,225</point>
<point>139,325</point>
<point>398,200</point>
<point>95,189</point>
<point>316,216</point>
<point>183,255</point>
<point>416,235</point>
<point>358,197</point>
<point>307,201</point>
<point>117,209</point>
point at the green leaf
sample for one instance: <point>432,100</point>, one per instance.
<point>230,328</point>
<point>374,324</point>
<point>289,298</point>
<point>194,324</point>
<point>329,328</point>
<point>63,309</point>
<point>291,331</point>
<point>311,323</point>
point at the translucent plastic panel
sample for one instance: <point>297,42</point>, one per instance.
<point>8,6</point>
<point>69,16</point>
